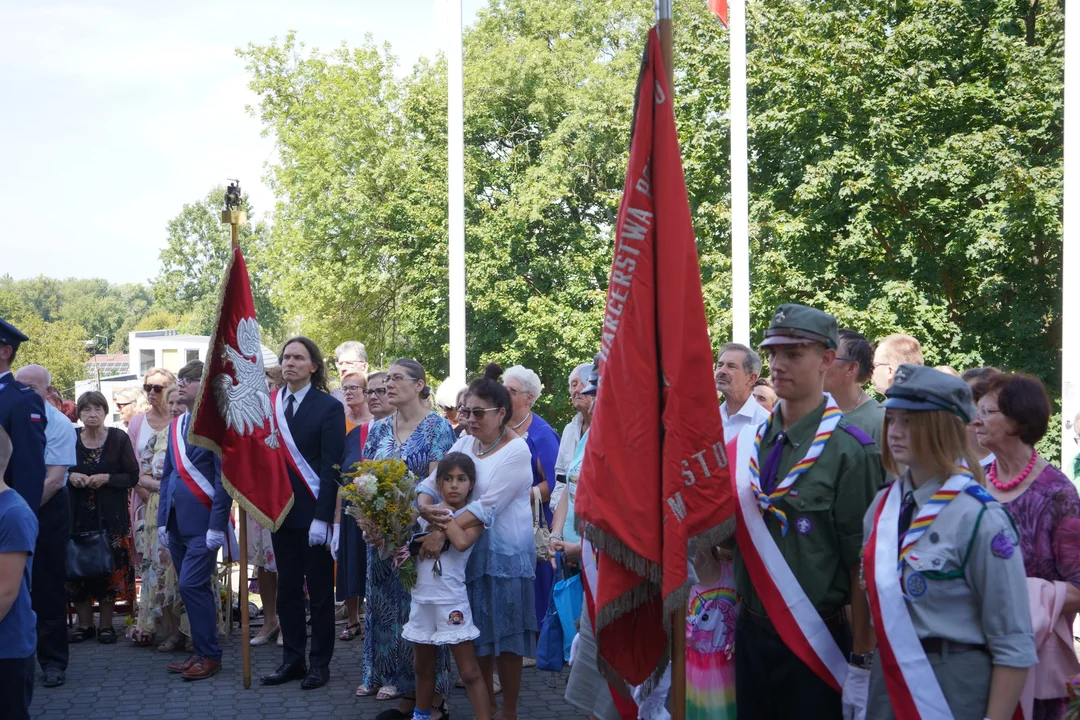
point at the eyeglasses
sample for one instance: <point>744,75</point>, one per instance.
<point>351,388</point>
<point>376,391</point>
<point>399,378</point>
<point>515,391</point>
<point>156,388</point>
<point>184,382</point>
<point>983,413</point>
<point>479,412</point>
<point>121,406</point>
<point>844,359</point>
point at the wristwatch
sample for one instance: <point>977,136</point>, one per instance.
<point>865,661</point>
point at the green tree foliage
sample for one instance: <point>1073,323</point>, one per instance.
<point>193,265</point>
<point>59,345</point>
<point>906,169</point>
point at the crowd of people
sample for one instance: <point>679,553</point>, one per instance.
<point>951,455</point>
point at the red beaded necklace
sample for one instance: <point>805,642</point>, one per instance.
<point>1005,486</point>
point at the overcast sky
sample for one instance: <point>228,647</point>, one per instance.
<point>115,114</point>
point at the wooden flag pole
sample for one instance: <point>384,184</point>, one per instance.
<point>235,218</point>
<point>678,618</point>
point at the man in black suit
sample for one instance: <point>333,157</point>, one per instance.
<point>312,427</point>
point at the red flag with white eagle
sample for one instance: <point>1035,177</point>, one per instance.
<point>655,470</point>
<point>233,416</point>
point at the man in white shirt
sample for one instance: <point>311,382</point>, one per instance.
<point>48,596</point>
<point>736,372</point>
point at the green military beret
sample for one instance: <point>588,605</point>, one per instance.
<point>797,324</point>
<point>917,387</point>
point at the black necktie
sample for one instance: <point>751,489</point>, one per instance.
<point>772,465</point>
<point>907,514</point>
<point>289,403</point>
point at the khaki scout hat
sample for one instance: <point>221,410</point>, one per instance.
<point>797,324</point>
<point>918,387</point>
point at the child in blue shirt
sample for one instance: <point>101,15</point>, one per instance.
<point>18,634</point>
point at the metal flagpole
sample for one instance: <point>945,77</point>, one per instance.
<point>740,196</point>
<point>456,189</point>
<point>678,617</point>
<point>235,218</point>
<point>1070,253</point>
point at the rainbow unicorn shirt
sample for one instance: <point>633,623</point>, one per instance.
<point>710,620</point>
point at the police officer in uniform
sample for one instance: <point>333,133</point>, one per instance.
<point>963,577</point>
<point>22,414</point>
<point>824,509</point>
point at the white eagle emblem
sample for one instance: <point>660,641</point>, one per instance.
<point>245,403</point>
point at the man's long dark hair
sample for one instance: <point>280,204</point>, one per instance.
<point>318,379</point>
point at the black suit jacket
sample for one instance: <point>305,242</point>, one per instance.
<point>318,429</point>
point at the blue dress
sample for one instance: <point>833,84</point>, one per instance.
<point>544,446</point>
<point>388,658</point>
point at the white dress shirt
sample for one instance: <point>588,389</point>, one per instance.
<point>749,414</point>
<point>299,395</point>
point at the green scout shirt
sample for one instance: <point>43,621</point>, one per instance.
<point>825,512</point>
<point>868,417</point>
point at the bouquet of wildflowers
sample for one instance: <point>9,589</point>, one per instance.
<point>1073,688</point>
<point>382,494</point>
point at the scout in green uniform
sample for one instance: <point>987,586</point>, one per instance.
<point>823,537</point>
<point>962,572</point>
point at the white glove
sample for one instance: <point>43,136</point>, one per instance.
<point>573,648</point>
<point>856,690</point>
<point>318,533</point>
<point>335,541</point>
<point>214,540</point>
<point>163,537</point>
<point>651,707</point>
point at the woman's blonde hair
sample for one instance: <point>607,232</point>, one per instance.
<point>938,438</point>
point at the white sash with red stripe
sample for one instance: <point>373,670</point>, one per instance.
<point>293,457</point>
<point>199,485</point>
<point>790,611</point>
<point>913,688</point>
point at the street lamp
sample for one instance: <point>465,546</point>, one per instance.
<point>106,342</point>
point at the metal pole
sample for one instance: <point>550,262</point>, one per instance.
<point>456,189</point>
<point>740,196</point>
<point>1070,254</point>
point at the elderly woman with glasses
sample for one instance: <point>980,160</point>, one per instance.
<point>105,470</point>
<point>525,387</point>
<point>1013,414</point>
<point>348,546</point>
<point>419,438</point>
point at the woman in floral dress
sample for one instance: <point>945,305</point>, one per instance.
<point>420,438</point>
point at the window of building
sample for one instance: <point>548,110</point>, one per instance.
<point>146,361</point>
<point>192,355</point>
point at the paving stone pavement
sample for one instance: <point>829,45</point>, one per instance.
<point>123,681</point>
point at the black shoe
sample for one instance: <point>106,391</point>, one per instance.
<point>316,678</point>
<point>284,674</point>
<point>54,677</point>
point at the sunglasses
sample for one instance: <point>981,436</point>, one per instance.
<point>376,391</point>
<point>479,412</point>
<point>153,388</point>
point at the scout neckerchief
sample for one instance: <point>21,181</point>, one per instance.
<point>293,457</point>
<point>912,686</point>
<point>829,420</point>
<point>792,614</point>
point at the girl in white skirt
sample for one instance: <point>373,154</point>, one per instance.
<point>440,612</point>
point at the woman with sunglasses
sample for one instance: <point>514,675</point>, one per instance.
<point>348,546</point>
<point>144,429</point>
<point>500,575</point>
<point>418,437</point>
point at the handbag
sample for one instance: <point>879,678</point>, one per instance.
<point>568,595</point>
<point>541,531</point>
<point>550,652</point>
<point>89,554</point>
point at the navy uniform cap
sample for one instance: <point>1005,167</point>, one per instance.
<point>917,387</point>
<point>794,324</point>
<point>10,335</point>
